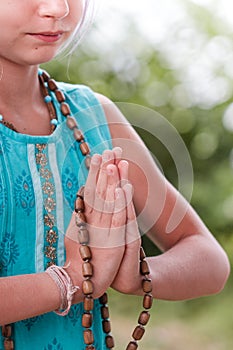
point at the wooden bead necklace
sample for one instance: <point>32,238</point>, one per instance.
<point>88,287</point>
<point>47,84</point>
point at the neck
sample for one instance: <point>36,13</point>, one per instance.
<point>21,101</point>
<point>18,85</point>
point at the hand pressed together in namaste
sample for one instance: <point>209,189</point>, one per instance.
<point>111,220</point>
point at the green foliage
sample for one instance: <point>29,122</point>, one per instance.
<point>135,70</point>
<point>139,72</point>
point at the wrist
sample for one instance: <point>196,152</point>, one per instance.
<point>65,286</point>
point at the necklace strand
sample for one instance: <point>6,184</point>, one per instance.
<point>47,100</point>
<point>49,85</point>
<point>88,287</point>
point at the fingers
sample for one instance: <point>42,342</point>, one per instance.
<point>119,213</point>
<point>132,230</point>
<point>97,180</point>
<point>112,184</point>
<point>108,179</point>
<point>128,190</point>
<point>123,167</point>
<point>117,151</point>
<point>108,203</point>
<point>90,187</point>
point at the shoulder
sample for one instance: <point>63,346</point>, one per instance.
<point>113,113</point>
<point>118,122</point>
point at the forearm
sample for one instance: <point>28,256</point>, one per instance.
<point>194,267</point>
<point>27,296</point>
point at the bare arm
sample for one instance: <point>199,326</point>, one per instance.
<point>193,263</point>
<point>27,296</point>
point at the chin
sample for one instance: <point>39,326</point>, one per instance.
<point>39,57</point>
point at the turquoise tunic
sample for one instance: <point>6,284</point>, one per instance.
<point>39,177</point>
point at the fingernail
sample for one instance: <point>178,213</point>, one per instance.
<point>128,187</point>
<point>105,157</point>
<point>124,163</point>
<point>95,160</point>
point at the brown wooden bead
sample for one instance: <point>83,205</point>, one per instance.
<point>147,285</point>
<point>87,287</point>
<point>44,89</point>
<point>71,122</point>
<point>8,344</point>
<point>87,319</point>
<point>79,204</point>
<point>6,331</point>
<point>60,96</point>
<point>45,75</point>
<point>109,341</point>
<point>80,219</point>
<point>53,127</point>
<point>84,148</point>
<point>144,268</point>
<point>51,109</point>
<point>88,336</point>
<point>142,254</point>
<point>144,318</point>
<point>147,301</point>
<point>132,345</point>
<point>106,326</point>
<point>88,303</point>
<point>104,312</point>
<point>87,269</point>
<point>90,347</point>
<point>52,85</point>
<point>138,332</point>
<point>83,235</point>
<point>85,252</point>
<point>104,299</point>
<point>78,136</point>
<point>65,108</point>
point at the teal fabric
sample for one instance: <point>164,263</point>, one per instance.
<point>22,209</point>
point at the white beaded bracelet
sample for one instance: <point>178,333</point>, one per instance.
<point>66,287</point>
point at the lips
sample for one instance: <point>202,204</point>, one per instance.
<point>48,37</point>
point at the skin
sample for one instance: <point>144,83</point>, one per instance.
<point>192,264</point>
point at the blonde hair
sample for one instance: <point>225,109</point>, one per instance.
<point>83,25</point>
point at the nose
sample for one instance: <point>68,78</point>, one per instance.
<point>54,8</point>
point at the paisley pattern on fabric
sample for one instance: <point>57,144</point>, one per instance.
<point>75,314</point>
<point>30,322</point>
<point>5,146</point>
<point>9,251</point>
<point>70,186</point>
<point>24,195</point>
<point>54,345</point>
<point>29,232</point>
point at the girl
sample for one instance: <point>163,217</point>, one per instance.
<point>50,135</point>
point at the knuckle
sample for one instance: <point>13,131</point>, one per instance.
<point>118,222</point>
<point>100,192</point>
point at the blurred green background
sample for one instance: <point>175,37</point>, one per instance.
<point>174,57</point>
